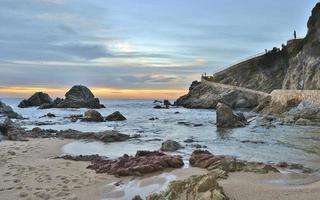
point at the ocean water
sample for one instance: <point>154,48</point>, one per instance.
<point>293,144</point>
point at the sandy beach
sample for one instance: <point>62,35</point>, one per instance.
<point>28,172</point>
<point>275,186</point>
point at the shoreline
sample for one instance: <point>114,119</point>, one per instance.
<point>29,172</point>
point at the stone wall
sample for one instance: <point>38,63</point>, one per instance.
<point>282,96</point>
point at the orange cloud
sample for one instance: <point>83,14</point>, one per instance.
<point>101,92</point>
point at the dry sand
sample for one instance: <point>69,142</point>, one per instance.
<point>272,186</point>
<point>27,171</point>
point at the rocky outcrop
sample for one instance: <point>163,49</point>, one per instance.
<point>170,145</point>
<point>11,131</point>
<point>37,99</point>
<point>227,119</point>
<point>303,71</point>
<point>206,94</point>
<point>104,136</point>
<point>222,165</point>
<point>294,66</point>
<point>78,96</point>
<point>201,187</point>
<point>116,116</point>
<point>142,163</point>
<point>92,116</point>
<point>8,111</point>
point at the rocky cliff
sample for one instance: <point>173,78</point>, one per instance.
<point>295,66</point>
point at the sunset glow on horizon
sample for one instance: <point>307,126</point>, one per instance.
<point>101,92</point>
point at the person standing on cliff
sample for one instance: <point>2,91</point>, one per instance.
<point>295,34</point>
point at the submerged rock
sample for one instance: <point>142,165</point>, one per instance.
<point>142,163</point>
<point>36,99</point>
<point>92,116</point>
<point>8,111</point>
<point>227,119</point>
<point>104,136</point>
<point>170,145</point>
<point>116,116</point>
<point>200,187</point>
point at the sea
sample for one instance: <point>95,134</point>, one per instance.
<point>292,144</point>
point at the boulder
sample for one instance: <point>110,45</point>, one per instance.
<point>222,165</point>
<point>142,163</point>
<point>227,119</point>
<point>170,145</point>
<point>36,99</point>
<point>116,116</point>
<point>92,116</point>
<point>8,111</point>
<point>202,187</point>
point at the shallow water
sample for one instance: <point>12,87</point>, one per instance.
<point>293,144</point>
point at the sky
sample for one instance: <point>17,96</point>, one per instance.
<point>135,48</point>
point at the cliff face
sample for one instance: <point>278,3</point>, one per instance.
<point>263,73</point>
<point>296,66</point>
<point>304,68</point>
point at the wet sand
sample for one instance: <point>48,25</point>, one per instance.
<point>28,171</point>
<point>251,186</point>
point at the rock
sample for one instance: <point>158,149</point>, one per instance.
<point>303,122</point>
<point>158,107</point>
<point>206,94</point>
<point>202,187</point>
<point>90,158</point>
<point>305,110</point>
<point>157,101</point>
<point>92,116</point>
<point>227,119</point>
<point>170,145</point>
<point>12,131</point>
<point>49,115</point>
<point>8,111</point>
<point>153,118</point>
<point>167,103</point>
<point>177,112</point>
<point>78,96</point>
<point>116,116</point>
<point>142,163</point>
<point>36,99</point>
<point>137,197</point>
<point>189,140</point>
<point>104,136</point>
<point>223,164</point>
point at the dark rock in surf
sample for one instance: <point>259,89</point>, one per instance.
<point>37,99</point>
<point>116,116</point>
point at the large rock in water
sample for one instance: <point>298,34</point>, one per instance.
<point>116,116</point>
<point>206,94</point>
<point>8,111</point>
<point>92,116</point>
<point>78,96</point>
<point>36,99</point>
<point>227,119</point>
<point>170,145</point>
